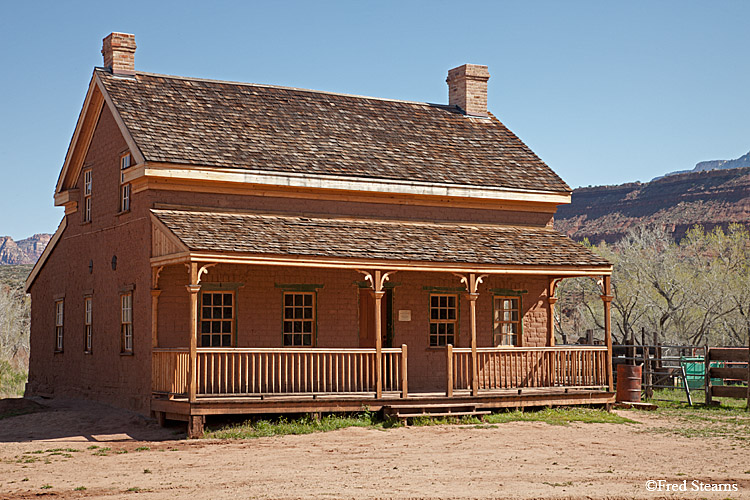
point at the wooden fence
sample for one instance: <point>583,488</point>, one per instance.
<point>520,367</point>
<point>735,367</point>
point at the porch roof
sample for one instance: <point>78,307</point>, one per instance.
<point>373,239</point>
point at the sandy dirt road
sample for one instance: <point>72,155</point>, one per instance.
<point>50,453</point>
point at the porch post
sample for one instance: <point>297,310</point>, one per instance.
<point>193,288</point>
<point>607,300</point>
<point>474,366</point>
<point>378,341</point>
<point>155,292</point>
<point>551,300</point>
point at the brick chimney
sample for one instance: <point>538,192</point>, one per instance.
<point>467,88</point>
<point>118,50</point>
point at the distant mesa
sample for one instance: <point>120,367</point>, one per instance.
<point>709,196</point>
<point>23,251</point>
<point>741,162</point>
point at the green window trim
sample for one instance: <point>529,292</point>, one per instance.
<point>456,321</point>
<point>298,287</point>
<point>212,289</point>
<point>514,294</point>
<point>314,322</point>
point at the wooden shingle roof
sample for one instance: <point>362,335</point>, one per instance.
<point>273,234</point>
<point>266,128</point>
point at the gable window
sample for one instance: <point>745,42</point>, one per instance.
<point>59,309</point>
<point>87,195</point>
<point>126,322</point>
<point>217,319</point>
<point>299,318</point>
<point>443,319</point>
<point>125,162</point>
<point>87,324</point>
<point>507,320</point>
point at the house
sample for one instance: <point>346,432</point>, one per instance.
<point>241,248</point>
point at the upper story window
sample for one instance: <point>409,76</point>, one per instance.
<point>443,319</point>
<point>125,162</point>
<point>507,320</point>
<point>126,322</point>
<point>299,319</point>
<point>217,319</point>
<point>87,195</point>
<point>59,319</point>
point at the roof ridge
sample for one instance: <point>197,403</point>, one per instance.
<point>281,87</point>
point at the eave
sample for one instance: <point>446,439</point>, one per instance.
<point>157,175</point>
<point>391,265</point>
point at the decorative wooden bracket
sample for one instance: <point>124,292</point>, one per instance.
<point>472,282</point>
<point>201,271</point>
<point>377,279</point>
<point>155,273</point>
<point>553,286</point>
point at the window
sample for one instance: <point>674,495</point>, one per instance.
<point>87,324</point>
<point>124,187</point>
<point>443,319</point>
<point>217,319</point>
<point>87,195</point>
<point>126,322</point>
<point>507,322</point>
<point>299,318</point>
<point>59,307</point>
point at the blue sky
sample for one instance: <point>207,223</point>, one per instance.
<point>604,92</point>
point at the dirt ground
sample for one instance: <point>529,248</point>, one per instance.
<point>50,453</point>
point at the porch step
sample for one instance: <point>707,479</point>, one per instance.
<point>403,412</point>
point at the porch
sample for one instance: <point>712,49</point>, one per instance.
<point>295,380</point>
<point>332,320</point>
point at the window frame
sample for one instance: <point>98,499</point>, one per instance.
<point>87,188</point>
<point>443,321</point>
<point>232,322</point>
<point>126,323</point>
<point>59,325</point>
<point>88,308</point>
<point>498,323</point>
<point>312,321</point>
<point>125,191</point>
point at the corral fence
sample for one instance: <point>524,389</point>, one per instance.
<point>727,368</point>
<point>664,366</point>
<point>717,371</point>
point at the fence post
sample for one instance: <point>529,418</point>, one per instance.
<point>707,378</point>
<point>449,371</point>
<point>647,378</point>
<point>404,378</point>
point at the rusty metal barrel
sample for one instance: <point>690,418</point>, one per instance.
<point>628,383</point>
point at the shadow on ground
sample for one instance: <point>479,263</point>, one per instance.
<point>69,420</point>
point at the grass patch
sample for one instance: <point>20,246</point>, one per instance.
<point>730,419</point>
<point>308,425</point>
<point>559,416</point>
<point>282,426</point>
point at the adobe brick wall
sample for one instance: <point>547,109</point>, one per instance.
<point>353,208</point>
<point>104,374</point>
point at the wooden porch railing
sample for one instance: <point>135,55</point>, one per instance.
<point>519,367</point>
<point>169,371</point>
<point>258,371</point>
